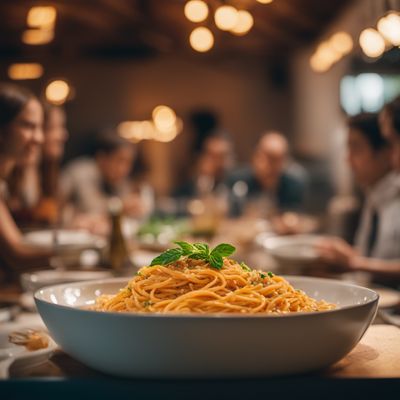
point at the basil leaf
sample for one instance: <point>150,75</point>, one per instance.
<point>270,274</point>
<point>167,257</point>
<point>186,247</point>
<point>224,250</point>
<point>216,261</point>
<point>202,248</point>
<point>197,256</point>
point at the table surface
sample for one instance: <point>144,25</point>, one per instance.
<point>371,370</point>
<point>376,356</point>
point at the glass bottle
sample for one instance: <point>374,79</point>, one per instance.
<point>118,250</point>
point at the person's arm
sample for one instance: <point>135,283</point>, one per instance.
<point>376,266</point>
<point>337,252</point>
<point>13,250</point>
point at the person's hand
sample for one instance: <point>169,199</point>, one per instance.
<point>133,205</point>
<point>288,223</point>
<point>94,223</point>
<point>336,252</point>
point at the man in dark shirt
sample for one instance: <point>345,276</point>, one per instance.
<point>269,179</point>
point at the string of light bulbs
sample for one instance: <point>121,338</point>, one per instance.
<point>226,17</point>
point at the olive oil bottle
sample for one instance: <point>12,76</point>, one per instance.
<point>118,250</point>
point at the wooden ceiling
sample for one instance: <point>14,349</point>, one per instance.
<point>111,29</point>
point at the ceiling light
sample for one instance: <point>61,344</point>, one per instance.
<point>196,10</point>
<point>201,39</point>
<point>372,43</point>
<point>57,92</point>
<point>226,17</point>
<point>37,36</point>
<point>164,118</point>
<point>25,71</point>
<point>389,28</point>
<point>244,23</point>
<point>341,42</point>
<point>41,17</point>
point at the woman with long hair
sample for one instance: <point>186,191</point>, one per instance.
<point>21,135</point>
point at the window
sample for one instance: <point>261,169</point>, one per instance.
<point>368,92</point>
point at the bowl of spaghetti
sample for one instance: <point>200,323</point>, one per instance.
<point>196,313</point>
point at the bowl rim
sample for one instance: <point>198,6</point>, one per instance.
<point>64,273</point>
<point>93,241</point>
<point>225,316</point>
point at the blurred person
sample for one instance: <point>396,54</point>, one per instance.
<point>48,209</point>
<point>377,243</point>
<point>213,162</point>
<point>389,119</point>
<point>88,184</point>
<point>269,177</point>
<point>21,135</point>
<point>205,196</point>
<point>33,186</point>
<point>24,189</point>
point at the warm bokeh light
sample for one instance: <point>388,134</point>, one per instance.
<point>226,17</point>
<point>318,64</point>
<point>37,36</point>
<point>328,54</point>
<point>201,39</point>
<point>136,131</point>
<point>25,71</point>
<point>244,23</point>
<point>389,28</point>
<point>57,92</point>
<point>342,42</point>
<point>372,43</point>
<point>264,1</point>
<point>41,17</point>
<point>164,118</point>
<point>171,134</point>
<point>196,10</point>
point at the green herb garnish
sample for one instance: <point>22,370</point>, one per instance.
<point>245,267</point>
<point>196,251</point>
<point>270,274</point>
<point>262,276</point>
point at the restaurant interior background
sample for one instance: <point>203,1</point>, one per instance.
<point>286,70</point>
<point>142,69</point>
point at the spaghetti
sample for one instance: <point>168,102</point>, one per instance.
<point>191,286</point>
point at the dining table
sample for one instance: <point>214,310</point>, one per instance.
<point>370,370</point>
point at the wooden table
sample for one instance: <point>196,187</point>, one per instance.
<point>371,369</point>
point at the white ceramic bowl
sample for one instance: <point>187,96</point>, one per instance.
<point>153,345</point>
<point>67,240</point>
<point>297,249</point>
<point>32,281</point>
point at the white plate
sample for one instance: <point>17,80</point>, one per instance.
<point>390,316</point>
<point>68,240</point>
<point>212,346</point>
<point>30,282</point>
<point>295,248</point>
<point>387,297</point>
<point>19,355</point>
